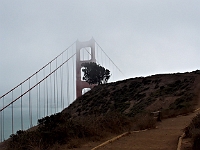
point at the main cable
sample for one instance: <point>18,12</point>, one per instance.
<point>110,59</point>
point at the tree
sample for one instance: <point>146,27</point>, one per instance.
<point>95,74</point>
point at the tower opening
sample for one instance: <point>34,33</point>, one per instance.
<point>85,53</point>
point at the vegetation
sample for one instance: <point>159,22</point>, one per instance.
<point>95,74</point>
<point>58,129</point>
<point>114,108</point>
<point>193,131</point>
<point>134,96</point>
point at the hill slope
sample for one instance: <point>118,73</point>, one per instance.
<point>166,92</point>
<point>105,108</point>
<point>164,137</point>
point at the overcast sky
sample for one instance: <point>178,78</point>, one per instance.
<point>142,37</point>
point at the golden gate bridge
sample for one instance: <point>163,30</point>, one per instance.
<point>52,88</point>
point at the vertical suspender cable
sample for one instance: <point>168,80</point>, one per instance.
<point>68,82</point>
<point>44,94</point>
<point>85,56</point>
<point>3,119</point>
<point>1,134</point>
<point>50,91</point>
<point>109,66</point>
<point>37,96</point>
<point>1,124</point>
<point>61,90</point>
<point>31,111</point>
<point>12,116</point>
<point>73,78</point>
<point>54,91</point>
<point>113,73</point>
<point>96,54</point>
<point>47,96</point>
<point>90,54</point>
<point>63,84</point>
<point>57,88</point>
<point>61,100</point>
<point>30,107</point>
<point>102,58</point>
<point>39,100</point>
<point>21,110</point>
<point>83,51</point>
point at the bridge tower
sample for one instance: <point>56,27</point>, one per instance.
<point>80,85</point>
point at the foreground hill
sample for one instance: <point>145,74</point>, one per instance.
<point>112,109</point>
<point>164,137</point>
<point>170,93</point>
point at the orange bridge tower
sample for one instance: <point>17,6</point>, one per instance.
<point>80,85</point>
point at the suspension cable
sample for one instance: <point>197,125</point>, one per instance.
<point>37,83</point>
<point>37,71</point>
<point>110,59</point>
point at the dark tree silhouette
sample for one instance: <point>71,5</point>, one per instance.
<point>95,74</point>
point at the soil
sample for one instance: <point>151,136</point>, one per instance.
<point>164,137</point>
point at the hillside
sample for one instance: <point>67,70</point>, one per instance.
<point>165,92</point>
<point>164,137</point>
<point>111,109</point>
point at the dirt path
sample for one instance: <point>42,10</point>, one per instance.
<point>165,137</point>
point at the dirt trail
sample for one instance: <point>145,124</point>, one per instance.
<point>165,137</point>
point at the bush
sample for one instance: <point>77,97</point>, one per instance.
<point>145,121</point>
<point>193,131</point>
<point>24,140</point>
<point>60,129</point>
<point>196,141</point>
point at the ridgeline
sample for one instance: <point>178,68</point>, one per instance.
<point>113,108</point>
<point>170,93</point>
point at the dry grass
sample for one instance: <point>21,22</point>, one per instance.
<point>74,132</point>
<point>100,112</point>
<point>144,121</point>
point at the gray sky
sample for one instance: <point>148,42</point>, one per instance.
<point>142,37</point>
